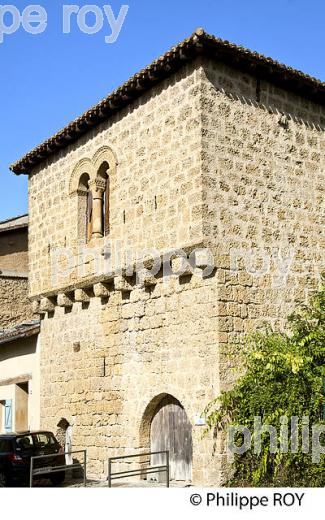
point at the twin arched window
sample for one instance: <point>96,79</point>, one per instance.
<point>94,204</point>
<point>91,182</point>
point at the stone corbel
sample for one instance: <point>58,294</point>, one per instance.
<point>122,284</point>
<point>65,300</point>
<point>203,258</point>
<point>101,290</point>
<point>146,278</point>
<point>36,307</point>
<point>47,305</point>
<point>181,267</point>
<point>82,295</point>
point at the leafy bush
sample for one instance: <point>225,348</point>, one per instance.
<point>283,375</point>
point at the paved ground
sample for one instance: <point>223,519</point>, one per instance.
<point>143,484</point>
<point>103,484</point>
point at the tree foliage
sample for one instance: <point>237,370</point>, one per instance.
<point>283,376</point>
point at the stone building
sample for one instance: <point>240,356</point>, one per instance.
<point>14,303</point>
<point>19,363</point>
<point>179,213</point>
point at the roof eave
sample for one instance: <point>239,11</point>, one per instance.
<point>32,331</point>
<point>199,43</point>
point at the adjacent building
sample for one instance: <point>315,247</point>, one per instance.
<point>19,363</point>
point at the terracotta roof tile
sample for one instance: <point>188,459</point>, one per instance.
<point>14,223</point>
<point>21,331</point>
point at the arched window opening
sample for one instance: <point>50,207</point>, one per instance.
<point>107,208</point>
<point>85,209</point>
<point>89,215</point>
<point>103,173</point>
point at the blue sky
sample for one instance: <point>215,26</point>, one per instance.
<point>48,79</point>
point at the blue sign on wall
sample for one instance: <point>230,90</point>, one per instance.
<point>8,415</point>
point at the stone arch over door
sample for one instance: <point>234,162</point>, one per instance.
<point>167,427</point>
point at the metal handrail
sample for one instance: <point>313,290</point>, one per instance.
<point>139,471</point>
<point>33,472</point>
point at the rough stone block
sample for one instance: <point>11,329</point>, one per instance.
<point>122,284</point>
<point>65,300</point>
<point>81,295</point>
<point>101,290</point>
<point>47,305</point>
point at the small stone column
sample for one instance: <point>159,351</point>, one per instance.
<point>97,188</point>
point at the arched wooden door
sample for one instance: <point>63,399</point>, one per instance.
<point>171,430</point>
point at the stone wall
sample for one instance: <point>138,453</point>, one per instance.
<point>264,190</point>
<point>154,341</point>
<point>199,160</point>
<point>155,189</point>
<point>14,250</point>
<point>15,306</point>
<point>14,302</point>
<point>103,365</point>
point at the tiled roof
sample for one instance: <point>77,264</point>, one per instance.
<point>21,331</point>
<point>199,43</point>
<point>14,223</point>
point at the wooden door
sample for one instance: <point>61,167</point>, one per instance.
<point>21,407</point>
<point>171,430</point>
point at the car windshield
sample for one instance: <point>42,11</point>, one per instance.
<point>25,442</point>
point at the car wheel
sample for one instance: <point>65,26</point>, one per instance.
<point>3,480</point>
<point>58,478</point>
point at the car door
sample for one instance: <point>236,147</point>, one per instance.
<point>45,444</point>
<point>24,448</point>
<point>5,450</point>
<point>23,451</point>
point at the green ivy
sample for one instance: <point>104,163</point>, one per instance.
<point>283,375</point>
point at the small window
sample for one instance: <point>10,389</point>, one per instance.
<point>85,208</point>
<point>89,215</point>
<point>103,174</point>
<point>106,218</point>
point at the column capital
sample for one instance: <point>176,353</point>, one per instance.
<point>97,187</point>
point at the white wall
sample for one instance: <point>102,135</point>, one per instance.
<point>18,359</point>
